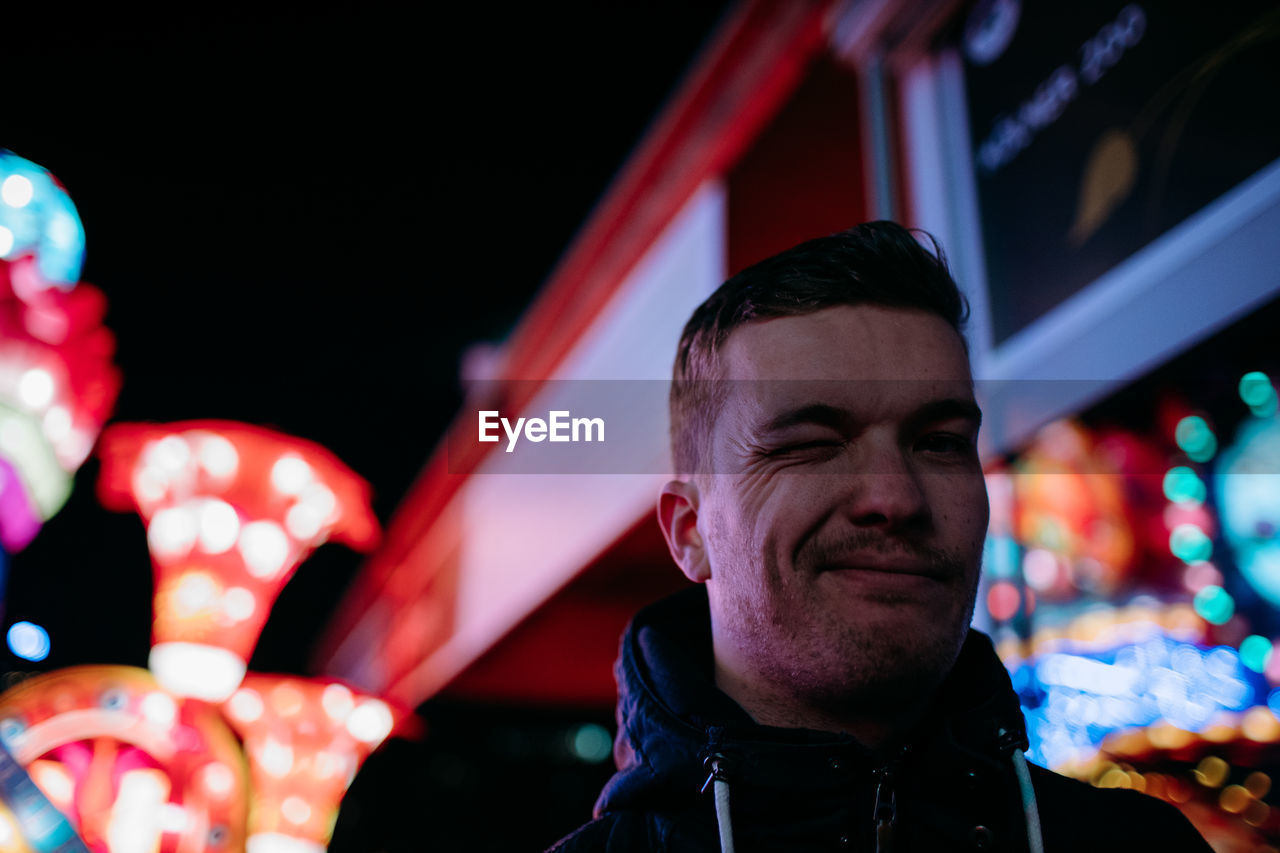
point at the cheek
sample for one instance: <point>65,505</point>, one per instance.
<point>961,511</point>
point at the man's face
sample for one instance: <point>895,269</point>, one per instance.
<point>844,521</point>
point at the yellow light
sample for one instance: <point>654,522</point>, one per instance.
<point>195,593</point>
<point>1115,778</point>
<point>1220,732</point>
<point>6,242</point>
<point>1165,735</point>
<point>1211,771</point>
<point>1234,799</point>
<point>1260,725</point>
<point>1257,813</point>
<point>1258,784</point>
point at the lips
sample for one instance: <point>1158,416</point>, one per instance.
<point>889,564</point>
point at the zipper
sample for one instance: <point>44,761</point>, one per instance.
<point>886,810</point>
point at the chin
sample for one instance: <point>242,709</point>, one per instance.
<point>889,667</point>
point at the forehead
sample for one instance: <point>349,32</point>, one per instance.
<point>848,342</point>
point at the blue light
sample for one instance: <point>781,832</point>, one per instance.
<point>1081,698</point>
<point>40,217</point>
<point>28,641</point>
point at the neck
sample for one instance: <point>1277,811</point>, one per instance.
<point>870,720</point>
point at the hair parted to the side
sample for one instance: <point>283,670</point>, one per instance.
<point>876,263</point>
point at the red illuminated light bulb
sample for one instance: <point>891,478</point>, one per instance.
<point>231,510</point>
<point>305,739</point>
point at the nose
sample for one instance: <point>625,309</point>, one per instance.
<point>885,491</point>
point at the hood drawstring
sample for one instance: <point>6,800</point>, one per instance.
<point>719,776</point>
<point>1013,743</point>
<point>886,812</point>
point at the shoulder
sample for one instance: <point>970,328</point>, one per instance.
<point>615,832</point>
<point>1113,817</point>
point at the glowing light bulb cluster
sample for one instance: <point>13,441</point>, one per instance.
<point>231,510</point>
<point>129,765</point>
<point>38,218</point>
<point>305,739</point>
<point>57,387</point>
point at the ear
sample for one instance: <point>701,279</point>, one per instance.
<point>678,518</point>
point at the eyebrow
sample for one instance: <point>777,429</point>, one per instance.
<point>813,413</point>
<point>823,414</point>
<point>946,409</point>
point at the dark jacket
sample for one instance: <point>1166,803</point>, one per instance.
<point>950,786</point>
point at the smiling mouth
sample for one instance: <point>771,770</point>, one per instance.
<point>882,564</point>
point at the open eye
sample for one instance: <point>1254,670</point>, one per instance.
<point>948,443</point>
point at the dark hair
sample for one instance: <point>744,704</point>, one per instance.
<point>877,263</point>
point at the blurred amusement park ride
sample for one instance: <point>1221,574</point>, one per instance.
<point>1131,582</point>
<point>195,754</point>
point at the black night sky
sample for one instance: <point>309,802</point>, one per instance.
<point>300,217</point>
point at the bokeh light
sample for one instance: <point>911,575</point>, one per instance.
<point>1214,605</point>
<point>1190,544</point>
<point>1195,438</point>
<point>28,641</point>
<point>1182,485</point>
<point>1258,393</point>
<point>1255,652</point>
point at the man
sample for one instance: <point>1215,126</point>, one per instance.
<point>821,689</point>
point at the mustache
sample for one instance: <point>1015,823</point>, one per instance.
<point>819,553</point>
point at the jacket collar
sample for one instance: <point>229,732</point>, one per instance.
<point>671,717</point>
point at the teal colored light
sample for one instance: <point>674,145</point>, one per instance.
<point>1190,544</point>
<point>1267,409</point>
<point>592,743</point>
<point>1256,389</point>
<point>1214,605</point>
<point>1182,485</point>
<point>1195,438</point>
<point>1255,651</point>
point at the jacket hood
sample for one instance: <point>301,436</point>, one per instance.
<point>671,718</point>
